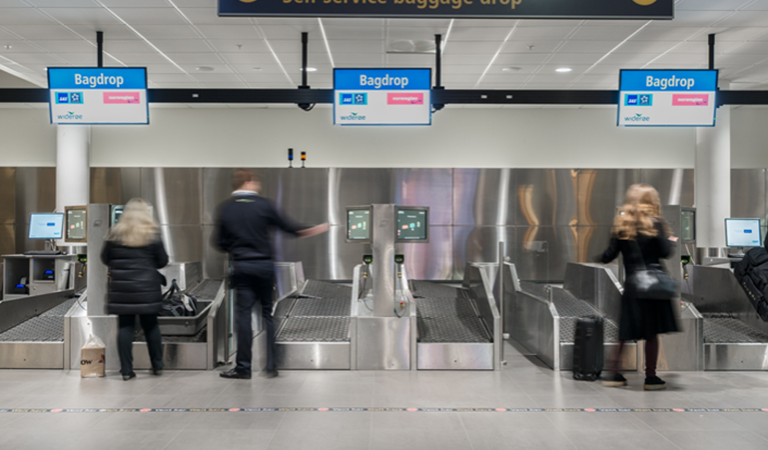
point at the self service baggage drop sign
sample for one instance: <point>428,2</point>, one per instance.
<point>672,98</point>
<point>98,96</point>
<point>382,97</point>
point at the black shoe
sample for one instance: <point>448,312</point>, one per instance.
<point>235,374</point>
<point>157,372</point>
<point>270,374</point>
<point>615,380</point>
<point>654,384</point>
<point>129,376</point>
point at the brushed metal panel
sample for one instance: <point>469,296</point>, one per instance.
<point>35,192</point>
<point>214,261</point>
<point>545,197</point>
<point>7,238</point>
<point>32,355</point>
<point>628,361</point>
<point>313,355</point>
<point>426,187</point>
<point>736,356</point>
<point>455,356</point>
<point>175,193</point>
<point>748,198</point>
<point>675,186</point>
<point>383,225</point>
<point>352,187</point>
<point>600,192</point>
<point>541,253</point>
<point>115,185</point>
<point>7,195</point>
<point>484,197</point>
<point>325,257</point>
<point>478,244</point>
<point>216,189</point>
<point>432,260</point>
<point>302,194</point>
<point>591,242</point>
<point>383,343</point>
<point>183,242</point>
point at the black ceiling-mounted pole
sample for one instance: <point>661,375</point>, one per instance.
<point>304,85</point>
<point>438,70</point>
<point>99,49</point>
<point>712,51</point>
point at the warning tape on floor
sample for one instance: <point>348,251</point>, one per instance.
<point>409,410</point>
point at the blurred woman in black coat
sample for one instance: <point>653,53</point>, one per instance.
<point>642,237</point>
<point>133,252</point>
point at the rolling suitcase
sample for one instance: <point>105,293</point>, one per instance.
<point>588,348</point>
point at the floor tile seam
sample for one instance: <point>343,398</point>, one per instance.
<point>173,439</point>
<point>466,432</point>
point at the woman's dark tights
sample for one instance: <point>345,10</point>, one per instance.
<point>651,356</point>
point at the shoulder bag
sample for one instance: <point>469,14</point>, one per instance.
<point>651,282</point>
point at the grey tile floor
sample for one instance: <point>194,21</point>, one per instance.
<point>524,383</point>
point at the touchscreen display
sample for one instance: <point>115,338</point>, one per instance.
<point>359,225</point>
<point>412,225</point>
<point>76,219</point>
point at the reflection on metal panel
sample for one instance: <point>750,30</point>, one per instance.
<point>426,187</point>
<point>484,197</point>
<point>35,192</point>
<point>592,241</point>
<point>183,242</point>
<point>216,189</point>
<point>302,194</point>
<point>748,197</point>
<point>675,186</point>
<point>352,187</point>
<point>175,193</point>
<point>7,195</point>
<point>601,191</point>
<point>115,185</point>
<point>432,260</point>
<point>214,261</point>
<point>545,197</point>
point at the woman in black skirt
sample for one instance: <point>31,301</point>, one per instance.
<point>642,237</point>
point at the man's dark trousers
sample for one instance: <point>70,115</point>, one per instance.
<point>253,283</point>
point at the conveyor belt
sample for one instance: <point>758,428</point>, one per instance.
<point>570,308</point>
<point>322,316</point>
<point>536,289</point>
<point>445,314</point>
<point>723,329</point>
<point>206,290</point>
<point>47,327</point>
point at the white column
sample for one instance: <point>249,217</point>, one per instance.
<point>713,179</point>
<point>73,165</point>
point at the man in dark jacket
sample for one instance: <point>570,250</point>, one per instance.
<point>243,226</point>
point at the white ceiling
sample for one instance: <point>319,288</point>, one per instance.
<point>175,37</point>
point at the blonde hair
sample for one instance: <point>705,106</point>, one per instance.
<point>641,208</point>
<point>136,227</point>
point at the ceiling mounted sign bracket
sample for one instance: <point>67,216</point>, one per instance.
<point>438,71</point>
<point>304,50</point>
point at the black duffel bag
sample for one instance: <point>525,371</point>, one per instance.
<point>752,275</point>
<point>177,303</point>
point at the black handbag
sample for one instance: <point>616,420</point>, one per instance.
<point>651,282</point>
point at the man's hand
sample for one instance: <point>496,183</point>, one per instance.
<point>314,231</point>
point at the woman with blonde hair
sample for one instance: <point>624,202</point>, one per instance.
<point>133,252</point>
<point>642,237</point>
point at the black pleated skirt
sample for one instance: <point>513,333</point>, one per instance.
<point>644,319</point>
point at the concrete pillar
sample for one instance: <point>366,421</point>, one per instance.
<point>73,165</point>
<point>713,180</point>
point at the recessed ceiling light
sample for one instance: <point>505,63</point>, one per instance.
<point>511,69</point>
<point>310,69</point>
<point>563,69</point>
<point>204,69</point>
<point>8,47</point>
<point>257,69</point>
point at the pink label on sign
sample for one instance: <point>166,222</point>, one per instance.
<point>404,99</point>
<point>690,99</point>
<point>121,97</point>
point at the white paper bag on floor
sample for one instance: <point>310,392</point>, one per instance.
<point>92,358</point>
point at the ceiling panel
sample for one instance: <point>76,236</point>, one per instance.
<point>167,31</point>
<point>81,16</point>
<point>227,31</point>
<point>23,16</point>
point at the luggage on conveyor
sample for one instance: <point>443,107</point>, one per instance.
<point>588,348</point>
<point>752,275</point>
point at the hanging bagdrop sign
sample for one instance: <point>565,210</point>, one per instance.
<point>491,9</point>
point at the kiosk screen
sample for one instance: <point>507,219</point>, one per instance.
<point>117,211</point>
<point>743,233</point>
<point>45,226</point>
<point>76,229</point>
<point>688,226</point>
<point>359,225</point>
<point>412,224</point>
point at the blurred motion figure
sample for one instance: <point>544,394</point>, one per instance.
<point>133,252</point>
<point>642,237</point>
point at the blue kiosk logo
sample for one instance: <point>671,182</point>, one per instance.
<point>75,98</point>
<point>638,100</point>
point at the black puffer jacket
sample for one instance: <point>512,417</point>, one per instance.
<point>134,282</point>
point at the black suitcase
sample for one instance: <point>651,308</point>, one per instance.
<point>752,275</point>
<point>588,348</point>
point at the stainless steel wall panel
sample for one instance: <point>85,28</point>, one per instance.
<point>302,194</point>
<point>326,256</point>
<point>214,261</point>
<point>600,192</point>
<point>355,187</point>
<point>175,193</point>
<point>748,197</point>
<point>476,244</point>
<point>7,195</point>
<point>484,197</point>
<point>115,185</point>
<point>590,242</point>
<point>426,187</point>
<point>432,260</point>
<point>7,239</point>
<point>541,253</point>
<point>35,192</point>
<point>545,197</point>
<point>216,189</point>
<point>675,186</point>
<point>183,242</point>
